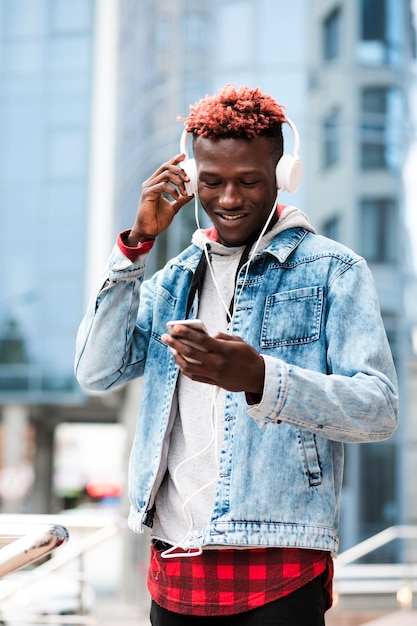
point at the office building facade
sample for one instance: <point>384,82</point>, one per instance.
<point>46,55</point>
<point>361,60</point>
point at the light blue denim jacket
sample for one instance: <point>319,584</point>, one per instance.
<point>309,306</point>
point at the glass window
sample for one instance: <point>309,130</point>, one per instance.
<point>382,125</point>
<point>382,32</point>
<point>13,345</point>
<point>64,110</point>
<point>68,85</point>
<point>230,49</point>
<point>331,228</point>
<point>71,15</point>
<point>196,31</point>
<point>25,18</point>
<point>23,57</point>
<point>67,154</point>
<point>373,20</point>
<point>163,32</point>
<point>378,504</point>
<point>70,54</point>
<point>379,230</point>
<point>45,57</point>
<point>331,141</point>
<point>332,35</point>
<point>64,203</point>
<point>391,327</point>
<point>22,142</point>
<point>23,87</point>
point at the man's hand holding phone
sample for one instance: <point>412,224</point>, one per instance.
<point>194,324</point>
<point>226,360</point>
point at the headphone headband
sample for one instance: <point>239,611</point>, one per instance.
<point>288,170</point>
<point>296,151</point>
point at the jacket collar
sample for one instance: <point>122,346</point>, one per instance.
<point>281,247</point>
<point>284,244</point>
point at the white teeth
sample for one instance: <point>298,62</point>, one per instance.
<point>231,217</point>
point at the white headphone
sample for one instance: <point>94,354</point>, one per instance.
<point>288,171</point>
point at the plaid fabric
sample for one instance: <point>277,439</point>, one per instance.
<point>226,582</point>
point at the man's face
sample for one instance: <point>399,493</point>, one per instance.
<point>236,186</point>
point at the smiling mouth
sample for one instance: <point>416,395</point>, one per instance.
<point>231,218</point>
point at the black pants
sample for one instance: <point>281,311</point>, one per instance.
<point>304,607</point>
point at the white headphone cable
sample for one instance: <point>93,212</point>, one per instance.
<point>171,552</point>
<point>249,261</point>
<point>205,247</point>
<point>214,418</point>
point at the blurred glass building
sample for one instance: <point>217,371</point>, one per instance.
<point>362,74</point>
<point>45,119</point>
<point>53,67</point>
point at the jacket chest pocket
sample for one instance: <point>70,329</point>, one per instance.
<point>292,317</point>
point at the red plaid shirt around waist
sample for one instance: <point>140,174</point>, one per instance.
<point>230,581</point>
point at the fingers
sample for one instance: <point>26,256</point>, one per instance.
<point>155,210</point>
<point>191,353</point>
<point>226,337</point>
<point>190,349</point>
<point>226,361</point>
<point>169,178</point>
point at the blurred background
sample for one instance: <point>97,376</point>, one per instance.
<point>89,95</point>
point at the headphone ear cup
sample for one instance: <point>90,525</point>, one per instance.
<point>190,168</point>
<point>288,173</point>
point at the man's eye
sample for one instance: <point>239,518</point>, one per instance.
<point>249,183</point>
<point>211,183</point>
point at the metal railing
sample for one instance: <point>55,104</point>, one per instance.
<point>23,542</point>
<point>20,548</point>
<point>376,579</point>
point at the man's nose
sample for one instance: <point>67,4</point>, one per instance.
<point>231,196</point>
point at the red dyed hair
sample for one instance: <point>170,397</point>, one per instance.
<point>245,113</point>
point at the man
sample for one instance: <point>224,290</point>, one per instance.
<point>238,454</point>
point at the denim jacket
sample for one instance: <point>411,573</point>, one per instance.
<point>309,306</point>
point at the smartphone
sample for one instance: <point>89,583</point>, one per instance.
<point>197,325</point>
